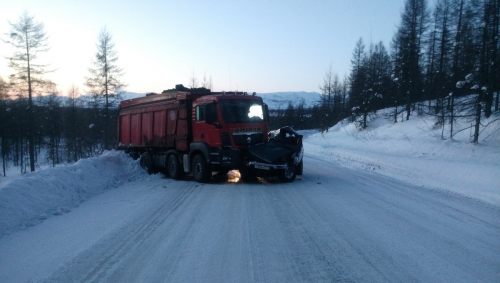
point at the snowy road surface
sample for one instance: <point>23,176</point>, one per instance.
<point>334,224</point>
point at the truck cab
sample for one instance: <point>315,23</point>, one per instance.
<point>225,125</point>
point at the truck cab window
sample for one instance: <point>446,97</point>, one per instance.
<point>234,111</point>
<point>256,111</point>
<point>200,113</point>
<point>206,112</point>
<point>210,113</point>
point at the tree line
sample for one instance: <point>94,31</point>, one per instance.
<point>35,122</point>
<point>437,55</point>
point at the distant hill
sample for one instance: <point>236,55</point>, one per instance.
<point>280,100</point>
<point>275,100</point>
<point>131,95</point>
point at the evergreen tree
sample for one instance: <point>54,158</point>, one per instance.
<point>29,41</point>
<point>489,58</point>
<point>104,81</point>
<point>413,25</point>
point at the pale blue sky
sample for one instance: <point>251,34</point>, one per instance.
<point>258,46</point>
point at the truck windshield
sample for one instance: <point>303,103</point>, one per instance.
<point>242,111</point>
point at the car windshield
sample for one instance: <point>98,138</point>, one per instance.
<point>242,111</point>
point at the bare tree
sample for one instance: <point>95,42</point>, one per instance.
<point>104,80</point>
<point>207,82</point>
<point>193,81</point>
<point>29,41</point>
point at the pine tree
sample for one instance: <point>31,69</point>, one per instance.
<point>413,25</point>
<point>358,82</point>
<point>104,80</point>
<point>29,41</point>
<point>489,62</point>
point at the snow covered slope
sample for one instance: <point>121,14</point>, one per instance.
<point>30,199</point>
<point>280,100</point>
<point>131,95</point>
<point>413,151</point>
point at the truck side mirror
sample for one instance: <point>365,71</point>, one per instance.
<point>211,113</point>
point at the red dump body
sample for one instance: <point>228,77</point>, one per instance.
<point>159,120</point>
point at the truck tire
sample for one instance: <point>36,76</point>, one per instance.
<point>248,176</point>
<point>288,175</point>
<point>146,162</point>
<point>174,169</point>
<point>200,169</point>
<point>134,154</point>
<point>299,169</point>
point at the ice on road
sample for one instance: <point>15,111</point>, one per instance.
<point>334,224</point>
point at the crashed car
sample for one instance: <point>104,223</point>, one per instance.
<point>281,156</point>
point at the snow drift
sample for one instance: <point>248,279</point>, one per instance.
<point>29,200</point>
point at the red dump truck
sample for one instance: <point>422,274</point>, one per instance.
<point>199,132</point>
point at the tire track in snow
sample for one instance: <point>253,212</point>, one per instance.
<point>448,231</point>
<point>111,250</point>
<point>334,224</point>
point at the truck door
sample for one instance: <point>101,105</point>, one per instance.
<point>206,125</point>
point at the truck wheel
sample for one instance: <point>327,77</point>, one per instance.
<point>201,172</point>
<point>134,154</point>
<point>288,175</point>
<point>249,176</point>
<point>146,162</point>
<point>300,168</point>
<point>174,170</point>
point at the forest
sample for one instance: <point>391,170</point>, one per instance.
<point>437,55</point>
<point>443,61</point>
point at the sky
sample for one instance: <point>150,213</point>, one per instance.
<point>261,45</point>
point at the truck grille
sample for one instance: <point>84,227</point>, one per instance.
<point>248,138</point>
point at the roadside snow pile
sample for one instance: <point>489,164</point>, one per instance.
<point>413,151</point>
<point>30,199</point>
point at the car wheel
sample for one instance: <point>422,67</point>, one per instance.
<point>288,174</point>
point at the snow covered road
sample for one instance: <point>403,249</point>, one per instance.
<point>335,224</point>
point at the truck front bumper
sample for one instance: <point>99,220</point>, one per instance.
<point>267,166</point>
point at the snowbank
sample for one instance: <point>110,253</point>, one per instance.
<point>413,151</point>
<point>36,196</point>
